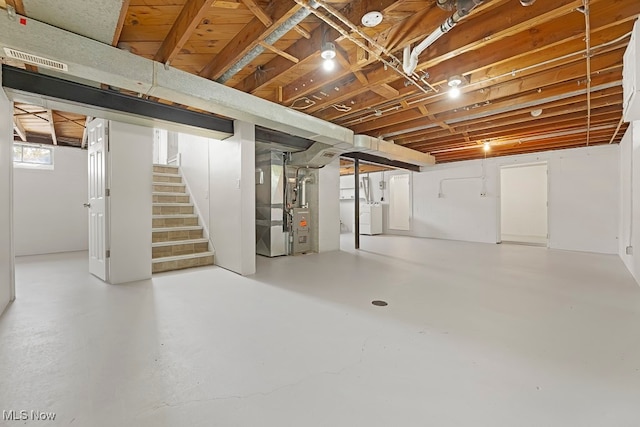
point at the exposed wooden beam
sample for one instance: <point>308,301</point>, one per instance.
<point>279,52</point>
<point>85,133</point>
<point>17,126</point>
<point>223,4</point>
<point>120,24</point>
<point>189,18</point>
<point>52,127</point>
<point>259,12</point>
<point>304,33</point>
<point>385,91</point>
<point>249,37</point>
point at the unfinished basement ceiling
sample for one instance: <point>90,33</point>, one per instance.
<point>514,60</point>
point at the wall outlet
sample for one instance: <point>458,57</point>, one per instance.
<point>629,250</point>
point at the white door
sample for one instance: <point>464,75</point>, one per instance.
<point>399,202</point>
<point>97,135</point>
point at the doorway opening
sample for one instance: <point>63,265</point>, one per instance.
<point>524,205</point>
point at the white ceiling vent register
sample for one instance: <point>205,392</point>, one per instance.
<point>35,60</point>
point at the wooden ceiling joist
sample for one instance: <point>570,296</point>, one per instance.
<point>52,126</point>
<point>259,12</point>
<point>189,18</point>
<point>19,129</point>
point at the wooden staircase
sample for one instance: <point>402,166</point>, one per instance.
<point>178,239</point>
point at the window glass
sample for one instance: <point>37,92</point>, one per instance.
<point>32,156</point>
<point>17,153</point>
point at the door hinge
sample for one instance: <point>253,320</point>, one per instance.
<point>107,192</point>
<point>108,253</point>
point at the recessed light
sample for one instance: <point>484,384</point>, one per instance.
<point>537,112</point>
<point>371,19</point>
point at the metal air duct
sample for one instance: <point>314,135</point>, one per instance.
<point>275,35</point>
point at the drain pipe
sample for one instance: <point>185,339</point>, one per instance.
<point>275,35</point>
<point>410,57</point>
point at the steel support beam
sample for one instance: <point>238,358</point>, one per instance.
<point>22,83</point>
<point>356,210</point>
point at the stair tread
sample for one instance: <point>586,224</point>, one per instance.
<point>179,242</point>
<point>170,184</point>
<point>166,174</point>
<point>165,204</point>
<point>172,216</point>
<point>168,193</point>
<point>165,166</point>
<point>186,256</point>
<point>177,228</point>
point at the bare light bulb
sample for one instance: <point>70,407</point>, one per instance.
<point>328,65</point>
<point>486,146</point>
<point>454,92</point>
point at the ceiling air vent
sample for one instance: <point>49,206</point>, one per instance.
<point>35,60</point>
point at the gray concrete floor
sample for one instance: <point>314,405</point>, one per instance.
<point>474,335</point>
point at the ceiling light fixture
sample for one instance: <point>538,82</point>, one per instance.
<point>486,146</point>
<point>454,83</point>
<point>328,53</point>
<point>536,112</point>
<point>371,19</point>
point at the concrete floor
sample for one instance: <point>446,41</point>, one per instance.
<point>474,335</point>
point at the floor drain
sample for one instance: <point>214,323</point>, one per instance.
<point>379,303</point>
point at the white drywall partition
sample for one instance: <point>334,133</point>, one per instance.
<point>630,199</point>
<point>523,203</point>
<point>232,200</point>
<point>7,276</point>
<point>194,165</point>
<point>584,200</point>
<point>130,214</point>
<point>329,207</point>
<point>49,215</point>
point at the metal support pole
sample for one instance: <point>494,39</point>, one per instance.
<point>356,227</point>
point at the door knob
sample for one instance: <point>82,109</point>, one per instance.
<point>86,205</point>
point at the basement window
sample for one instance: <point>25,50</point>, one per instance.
<point>32,156</point>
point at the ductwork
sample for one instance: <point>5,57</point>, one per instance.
<point>391,151</point>
<point>463,8</point>
<point>275,35</point>
<point>316,156</point>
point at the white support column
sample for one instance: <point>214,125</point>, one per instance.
<point>232,200</point>
<point>7,272</point>
<point>329,207</point>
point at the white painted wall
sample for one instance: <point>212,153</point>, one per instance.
<point>7,276</point>
<point>130,214</point>
<point>523,207</point>
<point>232,200</point>
<point>194,164</point>
<point>48,213</point>
<point>329,207</point>
<point>630,199</point>
<point>583,199</point>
